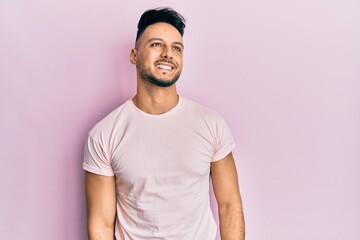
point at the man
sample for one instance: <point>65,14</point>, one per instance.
<point>148,163</point>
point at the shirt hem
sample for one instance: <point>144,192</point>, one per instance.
<point>224,153</point>
<point>97,171</point>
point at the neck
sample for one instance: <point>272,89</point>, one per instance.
<point>155,100</point>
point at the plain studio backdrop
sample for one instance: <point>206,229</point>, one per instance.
<point>284,74</point>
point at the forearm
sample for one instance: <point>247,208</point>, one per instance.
<point>232,224</point>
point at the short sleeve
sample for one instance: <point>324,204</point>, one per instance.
<point>96,160</point>
<point>224,141</point>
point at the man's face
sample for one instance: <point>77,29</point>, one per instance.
<point>159,55</point>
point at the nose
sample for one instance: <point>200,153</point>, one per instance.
<point>166,52</point>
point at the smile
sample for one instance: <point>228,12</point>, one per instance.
<point>165,67</point>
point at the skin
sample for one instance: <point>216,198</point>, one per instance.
<point>101,206</point>
<point>162,44</point>
<point>227,194</point>
<point>159,42</point>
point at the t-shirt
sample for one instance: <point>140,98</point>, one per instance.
<point>162,167</point>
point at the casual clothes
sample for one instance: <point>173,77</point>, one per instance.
<point>162,166</point>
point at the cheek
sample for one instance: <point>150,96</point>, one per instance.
<point>142,60</point>
<point>150,57</point>
<point>180,61</point>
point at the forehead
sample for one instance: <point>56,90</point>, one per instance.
<point>161,30</point>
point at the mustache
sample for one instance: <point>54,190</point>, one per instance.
<point>165,61</point>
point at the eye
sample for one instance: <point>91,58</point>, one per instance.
<point>177,49</point>
<point>156,44</point>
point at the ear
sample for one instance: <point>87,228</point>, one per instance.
<point>133,56</point>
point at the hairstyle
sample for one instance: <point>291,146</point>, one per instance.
<point>166,15</point>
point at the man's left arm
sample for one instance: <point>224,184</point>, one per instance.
<point>226,190</point>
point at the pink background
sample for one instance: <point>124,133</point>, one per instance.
<point>284,74</point>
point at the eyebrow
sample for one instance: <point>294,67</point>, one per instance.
<point>160,39</point>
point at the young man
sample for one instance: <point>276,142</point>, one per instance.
<point>148,163</point>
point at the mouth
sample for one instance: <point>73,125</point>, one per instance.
<point>167,66</point>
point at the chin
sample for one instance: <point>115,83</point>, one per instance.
<point>162,82</point>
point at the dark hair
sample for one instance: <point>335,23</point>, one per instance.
<point>166,15</point>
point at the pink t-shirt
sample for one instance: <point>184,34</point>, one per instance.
<point>162,166</point>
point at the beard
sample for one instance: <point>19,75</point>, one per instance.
<point>147,75</point>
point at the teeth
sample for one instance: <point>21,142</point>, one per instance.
<point>164,67</point>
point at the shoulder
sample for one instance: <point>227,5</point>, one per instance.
<point>199,110</point>
<point>111,121</point>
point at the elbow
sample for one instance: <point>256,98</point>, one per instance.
<point>234,209</point>
<point>234,205</point>
<point>100,230</point>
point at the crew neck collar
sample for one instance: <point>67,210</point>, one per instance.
<point>171,111</point>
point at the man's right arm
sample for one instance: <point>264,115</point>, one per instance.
<point>101,206</point>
